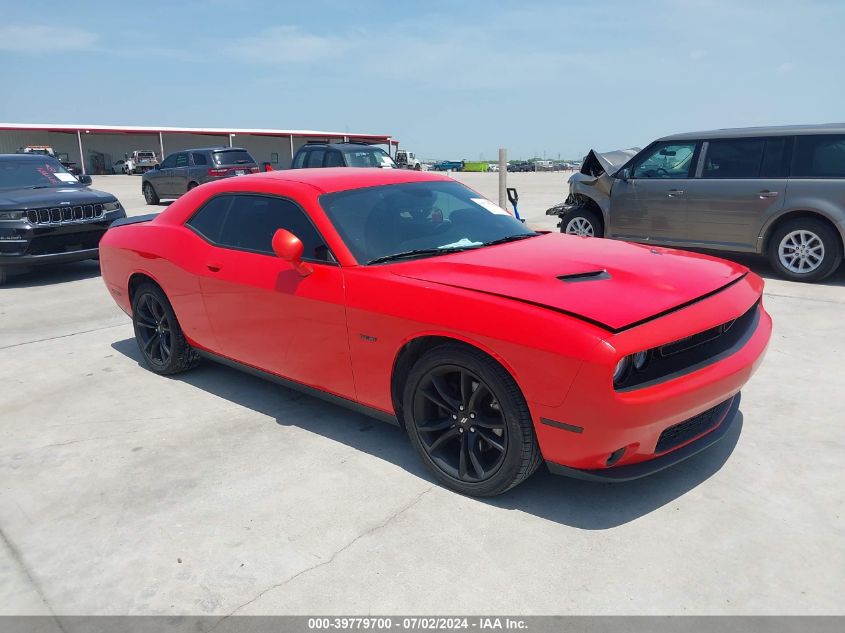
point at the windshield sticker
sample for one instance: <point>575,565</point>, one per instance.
<point>489,206</point>
<point>49,174</point>
<point>65,177</point>
<point>461,242</point>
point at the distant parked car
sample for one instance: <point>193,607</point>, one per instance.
<point>341,155</point>
<point>48,215</point>
<point>448,165</point>
<point>182,171</point>
<point>520,165</point>
<point>776,191</point>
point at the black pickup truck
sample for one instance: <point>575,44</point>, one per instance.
<point>48,215</point>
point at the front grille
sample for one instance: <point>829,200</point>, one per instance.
<point>697,425</point>
<point>65,215</point>
<point>65,242</point>
<point>692,352</point>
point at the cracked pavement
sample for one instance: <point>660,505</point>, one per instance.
<point>214,493</point>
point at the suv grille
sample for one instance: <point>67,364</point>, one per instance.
<point>65,215</point>
<point>683,432</point>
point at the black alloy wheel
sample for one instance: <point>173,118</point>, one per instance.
<point>158,333</point>
<point>460,423</point>
<point>468,421</point>
<point>155,336</point>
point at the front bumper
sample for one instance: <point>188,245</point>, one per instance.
<point>644,469</point>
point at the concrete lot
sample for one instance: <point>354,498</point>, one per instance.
<point>217,493</point>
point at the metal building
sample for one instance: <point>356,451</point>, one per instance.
<point>96,148</point>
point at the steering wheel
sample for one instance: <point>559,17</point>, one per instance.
<point>660,171</point>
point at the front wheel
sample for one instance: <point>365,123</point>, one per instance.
<point>582,222</point>
<point>150,195</point>
<point>469,422</point>
<point>158,333</point>
<point>805,249</point>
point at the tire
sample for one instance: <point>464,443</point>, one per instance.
<point>150,195</point>
<point>482,449</point>
<point>191,185</point>
<point>582,221</point>
<point>418,167</point>
<point>805,249</point>
<point>158,333</point>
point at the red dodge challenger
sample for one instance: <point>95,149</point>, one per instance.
<point>414,299</point>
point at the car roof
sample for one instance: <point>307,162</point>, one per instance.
<point>340,146</point>
<point>331,179</point>
<point>28,156</point>
<point>745,132</point>
<point>210,149</point>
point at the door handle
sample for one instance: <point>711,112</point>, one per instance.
<point>768,194</point>
<point>213,266</point>
<point>674,193</point>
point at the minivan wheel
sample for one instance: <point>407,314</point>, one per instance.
<point>150,195</point>
<point>805,249</point>
<point>582,222</point>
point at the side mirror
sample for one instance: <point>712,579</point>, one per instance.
<point>624,174</point>
<point>84,179</point>
<point>289,247</point>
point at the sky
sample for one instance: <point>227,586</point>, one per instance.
<point>450,79</point>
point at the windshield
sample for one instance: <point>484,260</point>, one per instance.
<point>28,173</point>
<point>441,215</point>
<point>369,157</point>
<point>233,157</point>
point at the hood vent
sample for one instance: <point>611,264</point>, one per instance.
<point>594,275</point>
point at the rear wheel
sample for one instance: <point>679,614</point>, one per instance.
<point>805,249</point>
<point>191,185</point>
<point>158,333</point>
<point>150,195</point>
<point>582,221</point>
<point>469,422</point>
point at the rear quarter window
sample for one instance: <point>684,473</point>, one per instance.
<point>820,156</point>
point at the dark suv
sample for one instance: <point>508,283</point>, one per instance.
<point>48,215</point>
<point>341,155</point>
<point>182,171</point>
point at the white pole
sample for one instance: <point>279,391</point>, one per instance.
<point>503,177</point>
<point>161,144</point>
<point>231,136</point>
<point>291,150</point>
<point>81,155</point>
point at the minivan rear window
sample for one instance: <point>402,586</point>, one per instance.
<point>232,157</point>
<point>819,156</point>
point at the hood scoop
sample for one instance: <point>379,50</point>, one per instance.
<point>593,275</point>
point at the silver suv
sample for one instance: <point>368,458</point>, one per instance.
<point>775,191</point>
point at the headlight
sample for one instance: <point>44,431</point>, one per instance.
<point>111,206</point>
<point>621,369</point>
<point>639,360</point>
<point>12,215</point>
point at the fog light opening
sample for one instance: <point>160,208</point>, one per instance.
<point>615,456</point>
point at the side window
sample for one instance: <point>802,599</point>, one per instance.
<point>181,160</point>
<point>299,160</point>
<point>333,159</point>
<point>667,160</point>
<point>251,221</point>
<point>209,220</point>
<point>734,158</point>
<point>199,158</point>
<point>169,162</point>
<point>315,158</point>
<point>821,156</point>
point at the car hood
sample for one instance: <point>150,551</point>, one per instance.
<point>614,285</point>
<point>52,196</point>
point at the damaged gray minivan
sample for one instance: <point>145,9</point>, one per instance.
<point>776,191</point>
